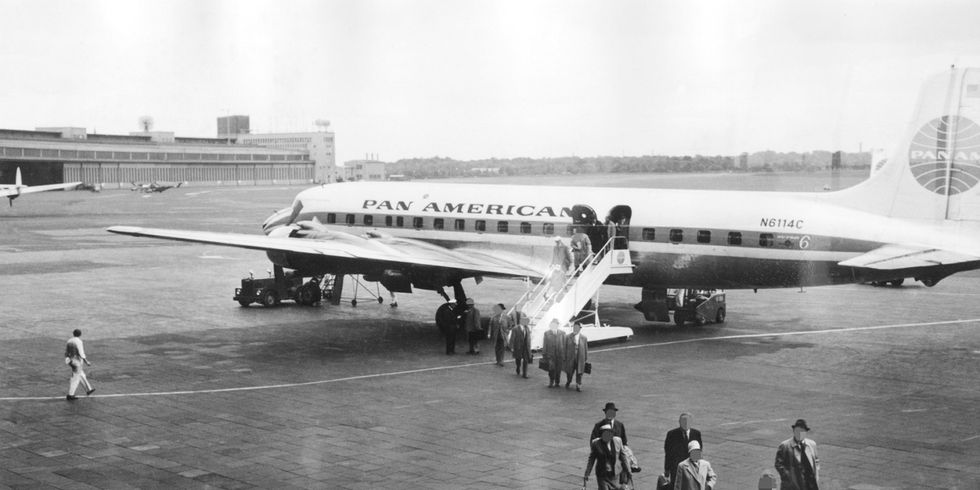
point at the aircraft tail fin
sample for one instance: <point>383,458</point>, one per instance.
<point>934,172</point>
<point>17,179</point>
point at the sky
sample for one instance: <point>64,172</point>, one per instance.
<point>475,79</point>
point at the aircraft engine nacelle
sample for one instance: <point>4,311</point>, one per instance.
<point>393,280</point>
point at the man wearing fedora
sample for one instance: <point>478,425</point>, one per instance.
<point>604,453</point>
<point>694,473</point>
<point>676,443</point>
<point>619,430</point>
<point>797,461</point>
<point>576,355</point>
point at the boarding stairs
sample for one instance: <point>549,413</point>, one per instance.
<point>563,297</point>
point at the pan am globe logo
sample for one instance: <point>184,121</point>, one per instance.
<point>934,144</point>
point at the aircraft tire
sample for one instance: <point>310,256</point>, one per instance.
<point>896,283</point>
<point>720,316</point>
<point>680,318</point>
<point>244,302</point>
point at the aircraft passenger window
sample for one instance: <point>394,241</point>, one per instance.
<point>765,239</point>
<point>525,227</point>
<point>502,226</point>
<point>481,225</point>
<point>350,219</point>
<point>649,234</point>
<point>676,235</point>
<point>459,225</point>
<point>704,236</point>
<point>548,229</point>
<point>400,221</point>
<point>388,220</point>
<point>437,223</point>
<point>368,220</point>
<point>417,222</point>
<point>331,218</point>
<point>734,238</point>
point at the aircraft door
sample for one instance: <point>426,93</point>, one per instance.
<point>618,225</point>
<point>584,216</point>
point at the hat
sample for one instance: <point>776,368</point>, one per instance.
<point>469,301</point>
<point>801,424</point>
<point>693,446</point>
<point>557,238</point>
<point>576,325</point>
<point>605,427</point>
<point>610,406</point>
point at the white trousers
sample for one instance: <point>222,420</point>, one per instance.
<point>78,375</point>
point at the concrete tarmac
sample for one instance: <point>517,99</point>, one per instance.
<point>194,391</point>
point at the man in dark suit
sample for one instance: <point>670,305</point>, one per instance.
<point>675,445</point>
<point>619,430</point>
<point>604,453</point>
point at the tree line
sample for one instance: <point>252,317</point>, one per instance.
<point>439,167</point>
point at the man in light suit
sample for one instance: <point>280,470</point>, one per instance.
<point>554,353</point>
<point>499,329</point>
<point>576,354</point>
<point>797,461</point>
<point>695,473</point>
<point>676,444</point>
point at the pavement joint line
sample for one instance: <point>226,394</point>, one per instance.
<point>457,366</point>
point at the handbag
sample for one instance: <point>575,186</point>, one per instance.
<point>588,368</point>
<point>543,364</point>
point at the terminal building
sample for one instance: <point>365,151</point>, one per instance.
<point>368,169</point>
<point>50,155</point>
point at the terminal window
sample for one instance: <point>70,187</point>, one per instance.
<point>704,236</point>
<point>480,225</point>
<point>734,238</point>
<point>765,239</point>
<point>502,226</point>
<point>649,234</point>
<point>676,235</point>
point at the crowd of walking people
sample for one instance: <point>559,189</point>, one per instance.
<point>685,467</point>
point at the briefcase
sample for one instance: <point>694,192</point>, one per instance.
<point>588,368</point>
<point>543,364</point>
<point>663,483</point>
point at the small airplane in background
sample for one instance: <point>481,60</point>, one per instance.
<point>153,187</point>
<point>14,191</point>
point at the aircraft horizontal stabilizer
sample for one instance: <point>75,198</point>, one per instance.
<point>894,257</point>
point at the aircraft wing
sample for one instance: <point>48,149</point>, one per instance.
<point>372,250</point>
<point>894,257</point>
<point>14,191</point>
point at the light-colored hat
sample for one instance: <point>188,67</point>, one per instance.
<point>693,446</point>
<point>609,427</point>
<point>557,239</point>
<point>469,301</point>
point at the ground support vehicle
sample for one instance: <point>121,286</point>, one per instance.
<point>282,286</point>
<point>699,306</point>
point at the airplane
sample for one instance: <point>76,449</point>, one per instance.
<point>153,187</point>
<point>917,216</point>
<point>14,191</point>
